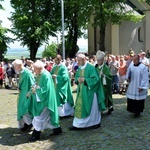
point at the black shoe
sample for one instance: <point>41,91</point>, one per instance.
<point>33,139</point>
<point>56,131</point>
<point>35,136</point>
<point>73,128</point>
<point>120,92</point>
<point>136,115</point>
<point>95,126</point>
<point>110,111</point>
<point>26,127</point>
<point>69,116</point>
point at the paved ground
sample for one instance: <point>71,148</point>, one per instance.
<point>118,131</point>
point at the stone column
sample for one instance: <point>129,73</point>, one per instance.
<point>115,39</point>
<point>90,37</point>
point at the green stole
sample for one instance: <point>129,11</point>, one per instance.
<point>78,112</point>
<point>56,72</point>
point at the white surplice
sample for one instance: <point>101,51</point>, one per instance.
<point>26,119</point>
<point>139,79</point>
<point>65,110</point>
<point>43,121</point>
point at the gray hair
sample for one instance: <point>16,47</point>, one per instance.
<point>17,62</point>
<point>81,56</point>
<point>39,64</point>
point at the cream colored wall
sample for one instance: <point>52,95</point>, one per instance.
<point>147,30</point>
<point>128,33</point>
<point>108,38</point>
<point>119,39</point>
<point>115,39</point>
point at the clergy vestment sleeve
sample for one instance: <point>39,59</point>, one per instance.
<point>144,79</point>
<point>104,90</point>
<point>92,80</point>
<point>107,74</point>
<point>42,91</point>
<point>85,83</point>
<point>63,76</point>
<point>128,74</point>
<point>63,89</point>
<point>26,80</point>
<point>91,77</point>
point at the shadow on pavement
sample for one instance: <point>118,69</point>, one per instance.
<point>13,136</point>
<point>16,93</point>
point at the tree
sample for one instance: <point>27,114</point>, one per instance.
<point>1,7</point>
<point>3,45</point>
<point>75,22</point>
<point>4,39</point>
<point>78,14</point>
<point>50,51</point>
<point>33,22</point>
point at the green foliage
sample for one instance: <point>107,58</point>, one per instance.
<point>4,39</point>
<point>1,7</point>
<point>148,1</point>
<point>114,12</point>
<point>76,22</point>
<point>134,18</point>
<point>50,51</point>
<point>33,22</point>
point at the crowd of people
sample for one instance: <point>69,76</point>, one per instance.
<point>45,92</point>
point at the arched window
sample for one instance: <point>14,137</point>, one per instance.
<point>140,34</point>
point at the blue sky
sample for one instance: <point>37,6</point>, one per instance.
<point>6,23</point>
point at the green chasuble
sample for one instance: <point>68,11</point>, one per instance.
<point>107,88</point>
<point>46,93</point>
<point>62,85</point>
<point>26,80</point>
<point>86,90</point>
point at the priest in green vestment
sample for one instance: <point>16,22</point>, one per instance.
<point>42,103</point>
<point>87,111</point>
<point>105,78</point>
<point>26,80</point>
<point>62,83</point>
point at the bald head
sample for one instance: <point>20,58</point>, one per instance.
<point>81,58</point>
<point>18,65</point>
<point>38,67</point>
